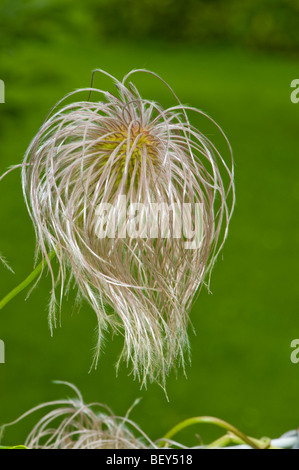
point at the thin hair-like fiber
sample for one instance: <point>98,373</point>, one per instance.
<point>90,152</point>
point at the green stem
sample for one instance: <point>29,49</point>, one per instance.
<point>13,447</point>
<point>255,444</point>
<point>231,439</point>
<point>26,282</point>
<point>224,441</point>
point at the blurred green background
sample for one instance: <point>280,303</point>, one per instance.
<point>234,60</point>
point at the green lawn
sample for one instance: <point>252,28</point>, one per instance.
<point>241,369</point>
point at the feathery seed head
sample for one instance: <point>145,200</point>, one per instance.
<point>152,167</point>
<point>72,424</point>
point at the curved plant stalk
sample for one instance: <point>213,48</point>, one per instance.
<point>233,433</point>
<point>230,439</point>
<point>13,447</point>
<point>26,282</point>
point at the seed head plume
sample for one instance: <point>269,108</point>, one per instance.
<point>131,154</point>
<point>72,424</point>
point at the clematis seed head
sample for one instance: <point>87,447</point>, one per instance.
<point>152,167</point>
<point>72,424</point>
